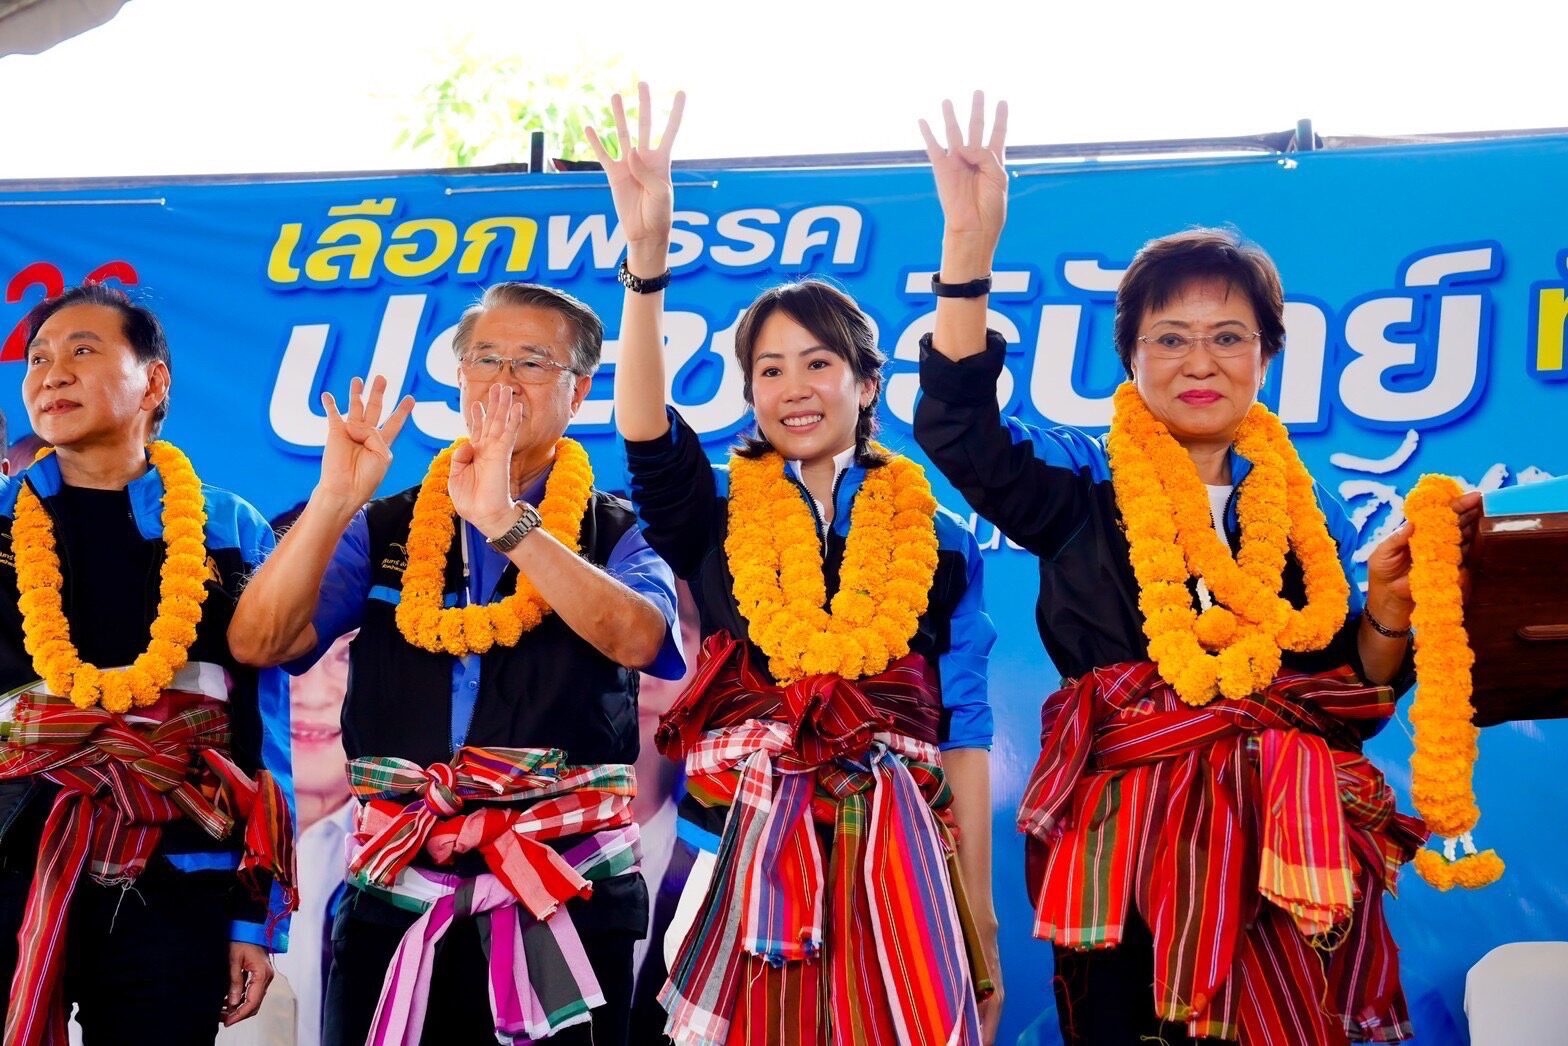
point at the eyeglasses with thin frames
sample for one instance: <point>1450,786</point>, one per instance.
<point>1225,344</point>
<point>530,370</point>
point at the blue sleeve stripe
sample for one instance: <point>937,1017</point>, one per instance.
<point>277,757</point>
<point>231,522</point>
<point>695,837</point>
<point>640,569</point>
<point>255,933</point>
<point>211,861</point>
<point>1345,537</point>
<point>964,668</point>
<point>387,594</point>
<point>952,532</point>
<point>1062,447</point>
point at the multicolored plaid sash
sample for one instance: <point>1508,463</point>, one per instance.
<point>871,949</point>
<point>121,779</point>
<point>540,979</point>
<point>1199,816</point>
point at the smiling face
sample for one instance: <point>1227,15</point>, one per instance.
<point>1200,397</point>
<point>316,729</point>
<point>84,384</point>
<point>806,397</point>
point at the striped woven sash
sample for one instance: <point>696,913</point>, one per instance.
<point>862,943</point>
<point>540,979</point>
<point>1254,838</point>
<point>121,779</point>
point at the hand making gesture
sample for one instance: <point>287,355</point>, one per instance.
<point>640,181</point>
<point>480,482</point>
<point>359,444</point>
<point>971,179</point>
<point>644,199</point>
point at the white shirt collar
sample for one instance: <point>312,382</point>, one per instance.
<point>841,462</point>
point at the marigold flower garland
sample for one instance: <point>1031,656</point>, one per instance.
<point>422,619</point>
<point>1233,648</point>
<point>181,592</point>
<point>775,558</point>
<point>1442,765</point>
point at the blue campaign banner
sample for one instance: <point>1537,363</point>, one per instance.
<point>1427,293</point>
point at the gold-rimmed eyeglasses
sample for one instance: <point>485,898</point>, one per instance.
<point>1224,344</point>
<point>530,370</point>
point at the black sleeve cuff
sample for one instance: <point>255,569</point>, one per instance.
<point>663,448</point>
<point>970,381</point>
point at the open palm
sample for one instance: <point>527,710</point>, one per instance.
<point>640,180</point>
<point>971,177</point>
<point>480,481</point>
<point>359,445</point>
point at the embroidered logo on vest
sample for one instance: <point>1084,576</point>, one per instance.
<point>398,560</point>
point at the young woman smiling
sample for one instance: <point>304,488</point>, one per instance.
<point>838,729</point>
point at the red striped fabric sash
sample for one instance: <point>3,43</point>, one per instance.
<point>120,781</point>
<point>861,943</point>
<point>406,808</point>
<point>1254,838</point>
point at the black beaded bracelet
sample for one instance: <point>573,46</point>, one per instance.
<point>638,284</point>
<point>1382,629</point>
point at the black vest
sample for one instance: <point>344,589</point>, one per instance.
<point>551,690</point>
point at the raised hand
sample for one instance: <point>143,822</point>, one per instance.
<point>480,482</point>
<point>640,180</point>
<point>359,443</point>
<point>971,179</point>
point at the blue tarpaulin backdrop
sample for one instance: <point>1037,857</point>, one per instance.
<point>1426,291</point>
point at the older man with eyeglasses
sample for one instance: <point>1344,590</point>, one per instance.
<point>505,607</point>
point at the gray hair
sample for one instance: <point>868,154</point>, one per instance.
<point>587,329</point>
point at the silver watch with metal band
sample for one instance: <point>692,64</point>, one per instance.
<point>526,522</point>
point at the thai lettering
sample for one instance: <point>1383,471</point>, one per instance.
<point>1548,324</point>
<point>1417,351</point>
<point>364,245</point>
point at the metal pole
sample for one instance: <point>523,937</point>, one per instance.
<point>536,152</point>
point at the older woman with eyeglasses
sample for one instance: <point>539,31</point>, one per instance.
<point>1201,821</point>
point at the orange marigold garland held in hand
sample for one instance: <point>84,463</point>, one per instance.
<point>422,619</point>
<point>775,558</point>
<point>1443,763</point>
<point>181,592</point>
<point>1233,648</point>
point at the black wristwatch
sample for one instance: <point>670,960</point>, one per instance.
<point>639,285</point>
<point>968,289</point>
<point>525,523</point>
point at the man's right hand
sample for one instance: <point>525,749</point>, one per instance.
<point>359,444</point>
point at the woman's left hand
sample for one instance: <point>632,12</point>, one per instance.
<point>1388,569</point>
<point>991,1008</point>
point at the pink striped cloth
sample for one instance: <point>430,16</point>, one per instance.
<point>540,977</point>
